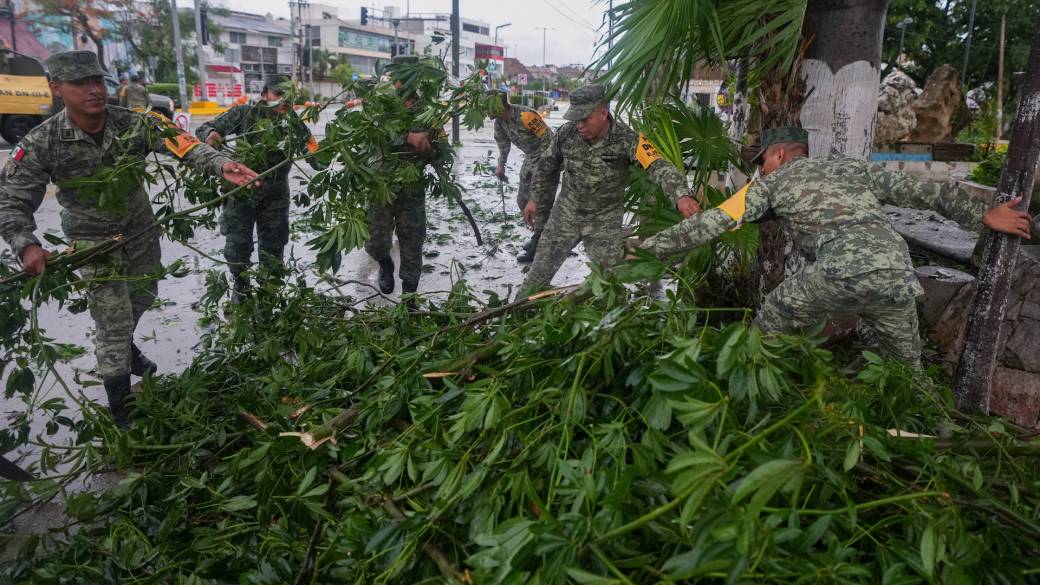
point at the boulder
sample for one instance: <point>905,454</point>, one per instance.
<point>940,285</point>
<point>1020,331</point>
<point>937,106</point>
<point>1016,395</point>
<point>896,118</point>
<point>932,232</point>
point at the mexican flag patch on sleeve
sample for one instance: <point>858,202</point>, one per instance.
<point>17,153</point>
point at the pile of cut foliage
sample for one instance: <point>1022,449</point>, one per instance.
<point>602,436</point>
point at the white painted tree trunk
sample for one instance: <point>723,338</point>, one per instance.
<point>841,108</point>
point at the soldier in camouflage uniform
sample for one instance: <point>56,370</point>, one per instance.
<point>76,142</point>
<point>135,96</point>
<point>594,151</point>
<point>274,132</point>
<point>525,128</point>
<point>833,205</point>
<point>406,214</point>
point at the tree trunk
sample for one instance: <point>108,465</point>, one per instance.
<point>974,376</point>
<point>841,71</point>
<point>842,74</point>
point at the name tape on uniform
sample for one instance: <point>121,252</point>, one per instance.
<point>534,123</point>
<point>646,153</point>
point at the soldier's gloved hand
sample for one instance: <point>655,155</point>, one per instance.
<point>240,174</point>
<point>529,213</point>
<point>500,171</point>
<point>1006,219</point>
<point>214,138</point>
<point>34,259</point>
<point>687,207</point>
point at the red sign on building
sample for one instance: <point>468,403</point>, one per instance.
<point>488,52</point>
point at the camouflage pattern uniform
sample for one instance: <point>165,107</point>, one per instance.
<point>862,266</point>
<point>525,128</point>
<point>406,215</point>
<point>590,205</point>
<point>266,208</point>
<point>136,97</point>
<point>57,151</point>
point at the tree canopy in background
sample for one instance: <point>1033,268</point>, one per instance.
<point>939,30</point>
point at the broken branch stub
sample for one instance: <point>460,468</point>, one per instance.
<point>973,379</point>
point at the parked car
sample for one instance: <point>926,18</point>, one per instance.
<point>160,103</point>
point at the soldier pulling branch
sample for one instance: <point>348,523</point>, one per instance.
<point>87,135</point>
<point>833,205</point>
<point>594,151</point>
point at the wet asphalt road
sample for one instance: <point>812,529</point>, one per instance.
<point>169,333</point>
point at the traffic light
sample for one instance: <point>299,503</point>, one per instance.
<point>364,15</point>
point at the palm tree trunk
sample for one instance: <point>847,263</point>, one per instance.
<point>841,71</point>
<point>842,74</point>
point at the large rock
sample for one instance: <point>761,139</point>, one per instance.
<point>1016,395</point>
<point>1020,331</point>
<point>940,285</point>
<point>932,232</point>
<point>937,105</point>
<point>896,118</point>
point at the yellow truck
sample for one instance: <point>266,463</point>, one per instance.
<point>25,98</point>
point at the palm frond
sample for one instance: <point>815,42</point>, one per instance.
<point>657,43</point>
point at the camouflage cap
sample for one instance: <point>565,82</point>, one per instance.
<point>73,65</point>
<point>584,100</point>
<point>782,135</point>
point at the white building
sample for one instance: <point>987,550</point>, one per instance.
<point>259,50</point>
<point>473,34</point>
<point>364,47</point>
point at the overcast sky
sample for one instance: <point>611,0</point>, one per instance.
<point>575,22</point>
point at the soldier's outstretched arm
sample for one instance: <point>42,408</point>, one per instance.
<point>664,174</point>
<point>23,183</point>
<point>227,124</point>
<point>504,145</point>
<point>900,189</point>
<point>748,204</point>
<point>546,177</point>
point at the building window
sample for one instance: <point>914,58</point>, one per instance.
<point>484,31</point>
<point>471,28</point>
<point>274,41</point>
<point>236,38</point>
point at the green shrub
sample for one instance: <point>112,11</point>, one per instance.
<point>989,169</point>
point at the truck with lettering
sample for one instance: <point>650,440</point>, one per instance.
<point>25,97</point>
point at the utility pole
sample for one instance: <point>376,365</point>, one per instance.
<point>502,73</point>
<point>545,68</point>
<point>200,51</point>
<point>456,39</point>
<point>177,52</point>
<point>973,380</point>
<point>1000,80</point>
<point>967,44</point>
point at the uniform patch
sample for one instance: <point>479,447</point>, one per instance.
<point>533,122</point>
<point>181,144</point>
<point>736,205</point>
<point>17,153</point>
<point>646,153</point>
<point>312,144</point>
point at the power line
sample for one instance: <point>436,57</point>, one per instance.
<point>572,20</point>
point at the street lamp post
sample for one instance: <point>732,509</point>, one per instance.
<point>498,28</point>
<point>902,35</point>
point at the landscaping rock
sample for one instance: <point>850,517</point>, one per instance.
<point>896,117</point>
<point>937,105</point>
<point>941,285</point>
